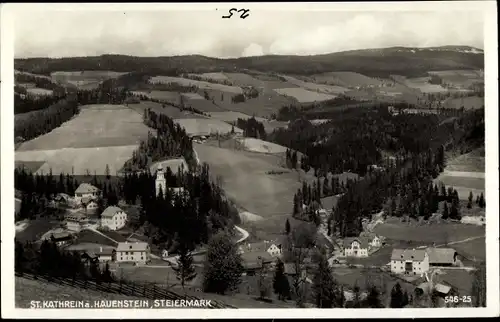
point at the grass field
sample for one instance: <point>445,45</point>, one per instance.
<point>422,84</point>
<point>424,234</point>
<point>199,84</point>
<point>203,105</point>
<point>473,249</point>
<point>88,141</point>
<point>173,164</point>
<point>346,79</point>
<point>192,96</point>
<point>320,88</point>
<point>39,91</point>
<point>87,79</point>
<point>260,146</point>
<point>31,74</point>
<point>27,290</point>
<point>304,96</point>
<point>473,161</point>
<point>205,126</point>
<point>214,76</point>
<point>460,78</point>
<point>244,178</point>
<point>34,229</point>
<point>472,102</point>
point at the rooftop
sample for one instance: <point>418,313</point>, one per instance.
<point>132,247</point>
<point>256,258</point>
<point>110,212</point>
<point>408,254</point>
<point>363,241</point>
<point>441,255</point>
<point>86,188</point>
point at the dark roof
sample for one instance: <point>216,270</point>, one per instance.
<point>408,254</point>
<point>441,255</point>
<point>255,259</point>
<point>363,241</point>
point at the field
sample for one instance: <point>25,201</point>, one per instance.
<point>27,290</point>
<point>471,102</point>
<point>260,81</point>
<point>320,88</point>
<point>165,109</point>
<point>460,78</point>
<point>87,79</point>
<point>465,173</point>
<point>425,234</point>
<point>304,96</point>
<point>192,96</point>
<point>31,74</point>
<point>34,229</point>
<point>40,91</point>
<point>422,84</point>
<point>346,79</point>
<point>260,146</point>
<point>173,164</point>
<point>474,249</point>
<point>231,116</point>
<point>202,105</point>
<point>199,84</point>
<point>172,97</point>
<point>244,178</point>
<point>205,126</point>
<point>89,141</point>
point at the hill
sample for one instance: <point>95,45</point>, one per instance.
<point>370,62</point>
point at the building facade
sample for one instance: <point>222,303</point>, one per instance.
<point>138,252</point>
<point>113,218</point>
<point>76,221</point>
<point>160,182</point>
<point>409,261</point>
<point>355,247</point>
<point>86,190</point>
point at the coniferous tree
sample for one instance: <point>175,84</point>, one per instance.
<point>280,281</point>
<point>287,227</point>
<point>397,299</point>
<point>324,286</point>
<point>184,270</point>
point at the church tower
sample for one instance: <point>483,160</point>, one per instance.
<point>160,181</point>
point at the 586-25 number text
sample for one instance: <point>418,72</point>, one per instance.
<point>458,299</point>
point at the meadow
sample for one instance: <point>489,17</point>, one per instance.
<point>471,102</point>
<point>320,88</point>
<point>346,79</point>
<point>232,116</point>
<point>31,74</point>
<point>199,84</point>
<point>304,96</point>
<point>260,146</point>
<point>211,76</point>
<point>206,126</point>
<point>173,164</point>
<point>460,78</point>
<point>167,96</point>
<point>422,84</point>
<point>165,109</point>
<point>39,91</point>
<point>88,142</point>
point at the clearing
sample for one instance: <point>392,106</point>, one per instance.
<point>199,84</point>
<point>165,109</point>
<point>346,79</point>
<point>31,74</point>
<point>261,146</point>
<point>319,88</point>
<point>304,96</point>
<point>173,164</point>
<point>87,142</point>
<point>231,116</point>
<point>206,126</point>
<point>39,91</point>
<point>460,78</point>
<point>167,96</point>
<point>422,84</point>
<point>213,76</point>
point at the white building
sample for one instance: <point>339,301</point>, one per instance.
<point>76,221</point>
<point>409,261</point>
<point>160,182</point>
<point>86,190</point>
<point>271,248</point>
<point>355,247</point>
<point>137,252</point>
<point>373,240</point>
<point>113,217</point>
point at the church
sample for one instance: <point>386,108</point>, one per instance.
<point>161,183</point>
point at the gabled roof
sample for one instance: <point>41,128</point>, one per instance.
<point>363,241</point>
<point>132,247</point>
<point>257,247</point>
<point>256,257</point>
<point>110,211</point>
<point>86,188</point>
<point>60,236</point>
<point>408,254</point>
<point>441,255</point>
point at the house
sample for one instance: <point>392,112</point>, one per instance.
<point>409,261</point>
<point>442,256</point>
<point>356,247</point>
<point>86,190</point>
<point>373,239</point>
<point>76,221</point>
<point>256,260</point>
<point>138,252</point>
<point>473,220</point>
<point>113,218</point>
<point>60,238</point>
<point>272,248</point>
<point>102,255</point>
<point>91,206</point>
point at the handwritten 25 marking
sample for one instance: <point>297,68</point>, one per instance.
<point>458,299</point>
<point>244,13</point>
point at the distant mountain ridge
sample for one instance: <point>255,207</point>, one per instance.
<point>379,62</point>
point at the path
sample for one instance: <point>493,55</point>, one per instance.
<point>242,231</point>
<point>460,241</point>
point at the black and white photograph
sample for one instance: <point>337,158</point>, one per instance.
<point>250,156</point>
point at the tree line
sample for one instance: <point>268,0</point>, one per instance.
<point>31,103</point>
<point>251,128</point>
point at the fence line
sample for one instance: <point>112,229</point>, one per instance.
<point>128,288</point>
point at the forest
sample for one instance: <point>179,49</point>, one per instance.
<point>251,128</point>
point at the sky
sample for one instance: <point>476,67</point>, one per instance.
<point>263,32</point>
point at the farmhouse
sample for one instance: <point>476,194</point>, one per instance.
<point>103,255</point>
<point>91,206</point>
<point>76,221</point>
<point>409,261</point>
<point>86,190</point>
<point>265,246</point>
<point>113,217</point>
<point>442,256</point>
<point>356,247</point>
<point>137,252</point>
<point>256,260</point>
<point>373,239</point>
